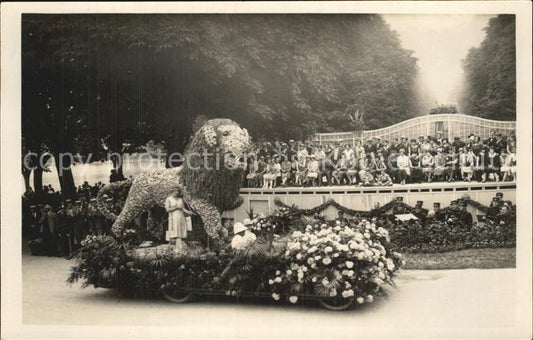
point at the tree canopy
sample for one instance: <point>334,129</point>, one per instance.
<point>490,72</point>
<point>115,80</point>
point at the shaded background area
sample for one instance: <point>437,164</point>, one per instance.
<point>93,84</point>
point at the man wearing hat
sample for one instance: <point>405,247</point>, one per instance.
<point>436,212</point>
<point>494,209</point>
<point>419,211</point>
<point>35,216</point>
<point>242,236</point>
<point>49,227</point>
<point>399,208</point>
<point>464,216</point>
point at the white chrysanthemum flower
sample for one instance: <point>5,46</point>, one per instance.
<point>293,299</point>
<point>277,279</point>
<point>326,261</point>
<point>289,272</point>
<point>349,264</point>
<point>275,296</point>
<point>360,300</point>
<point>270,282</point>
<point>328,249</point>
<point>369,298</point>
<point>333,292</point>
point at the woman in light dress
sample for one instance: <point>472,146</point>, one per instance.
<point>177,220</point>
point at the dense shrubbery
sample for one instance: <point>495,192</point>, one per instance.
<point>437,236</point>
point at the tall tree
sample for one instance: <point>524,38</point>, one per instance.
<point>490,72</point>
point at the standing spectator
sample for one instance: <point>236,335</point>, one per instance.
<point>50,229</point>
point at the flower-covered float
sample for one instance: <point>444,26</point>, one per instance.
<point>286,255</point>
<point>338,263</point>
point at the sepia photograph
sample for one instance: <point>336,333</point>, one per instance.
<point>299,170</point>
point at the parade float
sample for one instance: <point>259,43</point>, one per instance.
<point>291,256</point>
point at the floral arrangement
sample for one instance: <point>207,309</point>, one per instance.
<point>366,213</point>
<point>360,213</point>
<point>216,180</point>
<point>341,261</point>
<point>276,223</point>
<point>207,188</point>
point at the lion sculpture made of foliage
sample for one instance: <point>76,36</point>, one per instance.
<point>210,178</point>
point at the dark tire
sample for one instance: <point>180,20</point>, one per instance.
<point>176,295</point>
<point>336,304</point>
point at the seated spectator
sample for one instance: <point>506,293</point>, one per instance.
<point>300,171</point>
<point>404,166</point>
<point>492,170</point>
<point>252,172</point>
<point>427,164</point>
<point>383,179</point>
<point>270,174</point>
<point>340,170</point>
<point>286,171</point>
<point>416,167</point>
<point>466,161</point>
<point>351,172</point>
<point>312,171</point>
<point>365,176</point>
<point>261,171</point>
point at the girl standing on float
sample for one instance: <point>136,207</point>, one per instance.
<point>177,220</point>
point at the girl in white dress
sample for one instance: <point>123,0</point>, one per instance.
<point>177,220</point>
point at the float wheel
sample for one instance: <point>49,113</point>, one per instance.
<point>335,303</point>
<point>177,295</point>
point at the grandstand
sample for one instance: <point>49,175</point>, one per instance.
<point>449,125</point>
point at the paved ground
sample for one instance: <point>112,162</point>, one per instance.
<point>422,305</point>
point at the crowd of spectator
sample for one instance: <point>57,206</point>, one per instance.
<point>383,162</point>
<point>56,226</point>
